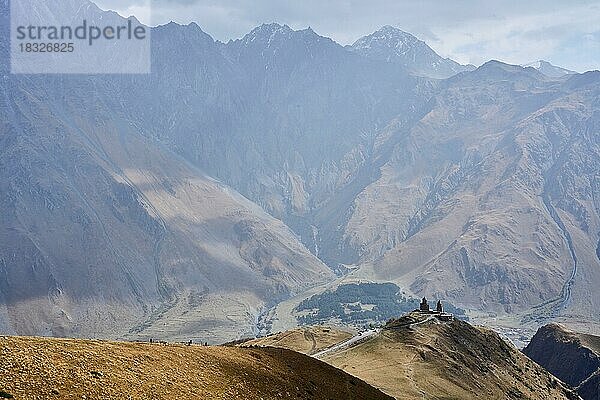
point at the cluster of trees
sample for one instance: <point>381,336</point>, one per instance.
<point>360,304</point>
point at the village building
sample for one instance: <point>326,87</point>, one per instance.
<point>438,312</point>
<point>424,306</point>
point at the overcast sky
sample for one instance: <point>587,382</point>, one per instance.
<point>564,32</point>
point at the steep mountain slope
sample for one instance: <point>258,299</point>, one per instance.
<point>490,200</point>
<point>446,360</point>
<point>286,117</point>
<point>396,46</point>
<point>417,357</point>
<point>104,230</point>
<point>33,368</point>
<point>108,233</point>
<point>570,356</point>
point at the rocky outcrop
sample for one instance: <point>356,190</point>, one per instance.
<point>572,357</point>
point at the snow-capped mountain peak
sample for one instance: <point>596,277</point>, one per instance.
<point>397,46</point>
<point>549,69</point>
<point>388,37</point>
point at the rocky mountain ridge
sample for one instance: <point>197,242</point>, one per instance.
<point>396,46</point>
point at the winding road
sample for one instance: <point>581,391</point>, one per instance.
<point>363,336</point>
<point>346,343</point>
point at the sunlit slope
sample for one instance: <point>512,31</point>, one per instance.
<point>35,368</point>
<point>306,340</point>
<point>418,356</point>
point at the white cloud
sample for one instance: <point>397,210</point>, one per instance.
<point>519,38</point>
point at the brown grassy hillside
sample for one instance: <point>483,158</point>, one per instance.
<point>446,361</point>
<point>417,357</point>
<point>40,368</point>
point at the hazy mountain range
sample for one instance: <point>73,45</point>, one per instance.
<point>188,202</point>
